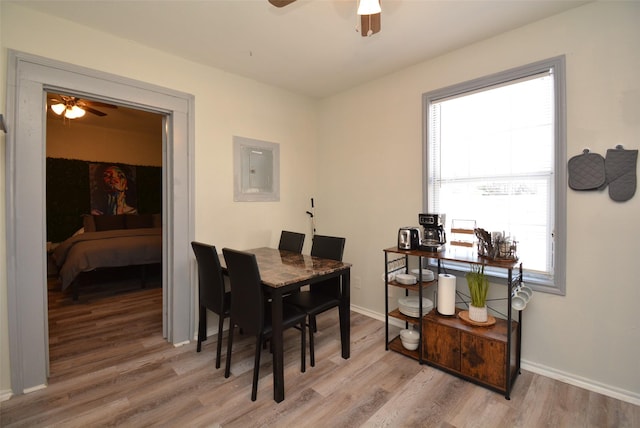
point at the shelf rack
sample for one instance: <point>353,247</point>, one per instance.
<point>399,260</point>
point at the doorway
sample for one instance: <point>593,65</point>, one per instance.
<point>28,78</point>
<point>100,328</point>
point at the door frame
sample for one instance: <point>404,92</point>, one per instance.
<point>28,78</point>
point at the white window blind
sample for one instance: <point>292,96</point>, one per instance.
<point>491,157</point>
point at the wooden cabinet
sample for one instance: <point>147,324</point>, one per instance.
<point>488,356</point>
<point>478,354</point>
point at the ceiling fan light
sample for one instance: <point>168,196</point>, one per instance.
<point>74,112</point>
<point>79,112</point>
<point>369,7</point>
<point>58,108</point>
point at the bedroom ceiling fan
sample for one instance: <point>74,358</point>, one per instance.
<point>74,107</point>
<point>369,11</point>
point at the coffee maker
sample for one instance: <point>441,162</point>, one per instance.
<point>434,237</point>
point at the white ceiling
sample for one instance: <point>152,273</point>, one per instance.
<point>310,47</point>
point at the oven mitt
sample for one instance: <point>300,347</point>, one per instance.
<point>620,166</point>
<point>587,171</point>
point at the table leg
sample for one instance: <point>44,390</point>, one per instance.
<point>276,339</point>
<point>345,308</point>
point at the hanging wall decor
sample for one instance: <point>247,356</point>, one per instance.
<point>113,189</point>
<point>591,171</point>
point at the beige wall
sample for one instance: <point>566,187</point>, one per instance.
<point>76,140</point>
<point>369,167</point>
<point>225,105</point>
<point>364,171</point>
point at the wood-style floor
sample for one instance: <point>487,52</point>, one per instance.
<point>110,366</point>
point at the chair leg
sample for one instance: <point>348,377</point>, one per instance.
<point>227,369</point>
<point>256,369</point>
<point>312,353</point>
<point>202,328</point>
<point>219,351</point>
<point>303,347</point>
<point>312,322</point>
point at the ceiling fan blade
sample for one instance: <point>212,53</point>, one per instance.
<point>95,104</point>
<point>370,24</point>
<point>94,111</point>
<point>87,103</point>
<point>281,3</point>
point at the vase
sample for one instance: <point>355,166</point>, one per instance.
<point>478,314</point>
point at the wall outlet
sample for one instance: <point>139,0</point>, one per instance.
<point>357,284</point>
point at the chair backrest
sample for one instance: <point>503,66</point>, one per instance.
<point>291,241</point>
<point>328,247</point>
<point>211,288</point>
<point>247,301</point>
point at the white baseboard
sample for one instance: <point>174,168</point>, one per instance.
<point>571,379</point>
<point>5,395</point>
<point>34,388</point>
<point>581,382</point>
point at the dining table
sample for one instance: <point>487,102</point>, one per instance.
<point>283,272</point>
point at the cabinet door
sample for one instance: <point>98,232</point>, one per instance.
<point>483,359</point>
<point>442,345</point>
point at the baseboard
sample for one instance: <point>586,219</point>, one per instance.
<point>588,384</point>
<point>5,395</point>
<point>34,389</point>
<point>571,379</point>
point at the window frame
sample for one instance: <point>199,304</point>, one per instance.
<point>559,242</point>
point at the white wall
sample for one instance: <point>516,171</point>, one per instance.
<point>369,172</point>
<point>225,105</point>
<point>364,170</point>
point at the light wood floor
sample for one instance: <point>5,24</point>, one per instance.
<point>111,367</point>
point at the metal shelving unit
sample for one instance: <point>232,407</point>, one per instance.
<point>397,260</point>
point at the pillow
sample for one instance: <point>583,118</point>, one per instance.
<point>88,223</point>
<point>109,222</point>
<point>139,221</point>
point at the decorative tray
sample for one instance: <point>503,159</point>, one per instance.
<point>464,316</point>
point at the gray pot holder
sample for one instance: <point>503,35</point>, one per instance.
<point>620,167</point>
<point>587,171</point>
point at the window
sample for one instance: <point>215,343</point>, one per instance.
<point>495,153</point>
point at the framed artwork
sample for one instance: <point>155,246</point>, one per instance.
<point>113,189</point>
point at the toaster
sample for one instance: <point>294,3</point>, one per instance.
<point>409,238</point>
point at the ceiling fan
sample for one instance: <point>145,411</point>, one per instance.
<point>369,11</point>
<point>73,107</point>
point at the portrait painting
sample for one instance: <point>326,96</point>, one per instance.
<point>113,189</point>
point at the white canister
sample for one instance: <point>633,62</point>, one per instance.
<point>446,304</point>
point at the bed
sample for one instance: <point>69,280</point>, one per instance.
<point>108,241</point>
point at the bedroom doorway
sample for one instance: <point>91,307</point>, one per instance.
<point>29,77</point>
<point>97,330</point>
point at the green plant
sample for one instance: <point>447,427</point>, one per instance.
<point>478,285</point>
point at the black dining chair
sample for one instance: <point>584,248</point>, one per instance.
<point>211,292</point>
<point>250,312</point>
<point>324,295</point>
<point>291,241</point>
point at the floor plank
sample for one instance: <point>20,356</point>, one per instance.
<point>110,366</point>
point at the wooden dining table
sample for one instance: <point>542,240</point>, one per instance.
<point>284,271</point>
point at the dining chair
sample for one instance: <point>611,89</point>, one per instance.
<point>211,292</point>
<point>291,241</point>
<point>250,313</point>
<point>324,295</point>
